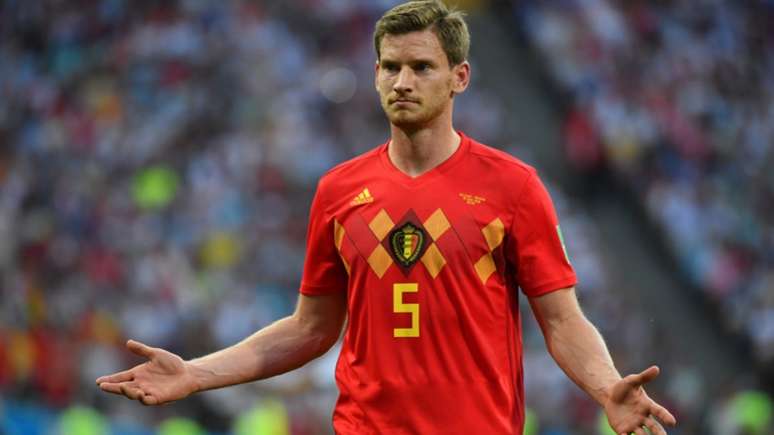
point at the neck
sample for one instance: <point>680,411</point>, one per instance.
<point>417,151</point>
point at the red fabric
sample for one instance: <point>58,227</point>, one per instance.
<point>463,373</point>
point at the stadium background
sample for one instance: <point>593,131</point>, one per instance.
<point>157,160</point>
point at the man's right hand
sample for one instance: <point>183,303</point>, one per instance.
<point>165,377</point>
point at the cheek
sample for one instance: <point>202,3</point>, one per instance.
<point>383,88</point>
<point>450,83</point>
<point>442,89</point>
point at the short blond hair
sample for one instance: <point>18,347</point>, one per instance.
<point>413,16</point>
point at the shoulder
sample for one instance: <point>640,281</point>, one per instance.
<point>506,178</point>
<point>357,164</point>
<point>506,167</point>
<point>346,176</point>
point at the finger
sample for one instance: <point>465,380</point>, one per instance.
<point>126,375</point>
<point>654,427</point>
<point>139,349</point>
<point>663,415</point>
<point>644,377</point>
<point>131,392</point>
<point>111,387</point>
<point>148,399</point>
<point>640,431</point>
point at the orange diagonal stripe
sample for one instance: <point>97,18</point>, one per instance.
<point>338,234</point>
<point>437,224</point>
<point>485,266</point>
<point>494,233</point>
<point>381,225</point>
<point>433,260</point>
<point>379,260</point>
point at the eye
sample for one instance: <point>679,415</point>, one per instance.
<point>389,66</point>
<point>421,67</point>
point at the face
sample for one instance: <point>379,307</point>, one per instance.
<point>416,85</point>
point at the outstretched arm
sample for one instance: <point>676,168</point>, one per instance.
<point>580,351</point>
<point>280,347</point>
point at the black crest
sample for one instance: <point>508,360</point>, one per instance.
<point>407,244</point>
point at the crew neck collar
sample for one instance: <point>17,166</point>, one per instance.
<point>430,174</point>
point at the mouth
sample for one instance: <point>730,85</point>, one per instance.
<point>403,101</point>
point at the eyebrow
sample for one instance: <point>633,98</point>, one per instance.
<point>388,62</point>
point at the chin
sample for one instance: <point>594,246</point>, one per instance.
<point>406,120</point>
<point>404,124</point>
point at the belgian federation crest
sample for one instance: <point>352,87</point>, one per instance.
<point>407,243</point>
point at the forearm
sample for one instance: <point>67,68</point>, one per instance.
<point>578,348</point>
<point>278,348</point>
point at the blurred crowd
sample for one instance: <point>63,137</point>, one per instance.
<point>159,164</point>
<point>157,160</point>
<point>676,97</point>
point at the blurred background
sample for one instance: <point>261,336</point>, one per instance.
<point>157,162</point>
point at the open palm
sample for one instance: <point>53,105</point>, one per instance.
<point>630,410</point>
<point>164,378</point>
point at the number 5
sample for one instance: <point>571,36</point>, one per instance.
<point>398,306</point>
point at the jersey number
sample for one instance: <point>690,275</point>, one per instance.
<point>398,306</point>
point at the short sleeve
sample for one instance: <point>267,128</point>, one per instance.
<point>541,261</point>
<point>324,272</point>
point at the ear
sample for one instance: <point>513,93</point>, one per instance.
<point>461,77</point>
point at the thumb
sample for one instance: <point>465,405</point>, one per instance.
<point>140,349</point>
<point>645,376</point>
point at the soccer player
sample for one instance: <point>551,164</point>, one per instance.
<point>422,244</point>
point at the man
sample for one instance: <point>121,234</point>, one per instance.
<point>422,244</point>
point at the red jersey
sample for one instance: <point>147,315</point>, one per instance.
<point>432,265</point>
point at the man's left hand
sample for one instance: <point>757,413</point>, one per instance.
<point>630,410</point>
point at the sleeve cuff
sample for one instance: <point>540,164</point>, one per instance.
<point>550,286</point>
<point>319,290</point>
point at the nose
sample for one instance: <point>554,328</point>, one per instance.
<point>405,81</point>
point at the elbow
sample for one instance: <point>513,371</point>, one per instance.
<point>321,343</point>
<point>326,343</point>
<point>320,338</point>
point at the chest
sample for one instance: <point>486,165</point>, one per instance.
<point>386,228</point>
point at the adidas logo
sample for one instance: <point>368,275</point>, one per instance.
<point>363,198</point>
